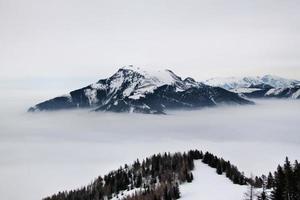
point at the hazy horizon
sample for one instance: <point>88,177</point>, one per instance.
<point>63,85</point>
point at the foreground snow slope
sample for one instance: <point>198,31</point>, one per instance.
<point>208,185</point>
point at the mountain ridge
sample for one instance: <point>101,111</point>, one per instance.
<point>267,86</point>
<point>239,82</point>
<point>132,89</point>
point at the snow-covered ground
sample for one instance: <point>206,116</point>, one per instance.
<point>208,185</point>
<point>43,153</point>
<point>127,193</point>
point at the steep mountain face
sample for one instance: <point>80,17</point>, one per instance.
<point>258,87</point>
<point>132,89</point>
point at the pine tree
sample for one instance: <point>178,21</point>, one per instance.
<point>290,181</point>
<point>297,179</point>
<point>189,177</point>
<point>138,182</point>
<point>263,196</point>
<point>176,191</point>
<point>270,181</point>
<point>167,194</point>
<point>219,168</point>
<point>279,184</point>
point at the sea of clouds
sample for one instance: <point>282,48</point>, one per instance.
<point>42,153</point>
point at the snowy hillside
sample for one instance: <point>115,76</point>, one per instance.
<point>207,185</point>
<point>187,176</point>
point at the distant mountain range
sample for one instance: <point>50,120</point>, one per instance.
<point>259,87</point>
<point>132,89</point>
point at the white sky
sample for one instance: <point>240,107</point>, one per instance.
<point>72,39</point>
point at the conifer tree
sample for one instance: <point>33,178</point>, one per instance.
<point>176,191</point>
<point>279,185</point>
<point>270,181</point>
<point>290,184</point>
<point>219,168</point>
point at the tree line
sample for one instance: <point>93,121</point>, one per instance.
<point>168,191</point>
<point>159,172</point>
<point>159,176</point>
<point>283,184</point>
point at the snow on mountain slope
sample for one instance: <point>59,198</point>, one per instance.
<point>208,185</point>
<point>232,82</point>
<point>259,87</point>
<point>289,92</point>
<point>149,81</point>
<point>274,91</point>
<point>139,82</point>
<point>278,82</point>
<point>157,77</point>
<point>126,193</point>
<point>296,95</point>
<point>244,90</point>
<point>245,82</point>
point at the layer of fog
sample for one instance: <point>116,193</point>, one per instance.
<point>42,153</point>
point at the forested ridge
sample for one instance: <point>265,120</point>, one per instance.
<point>159,176</point>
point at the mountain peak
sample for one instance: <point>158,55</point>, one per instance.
<point>160,77</point>
<point>132,68</point>
<point>133,89</point>
<point>142,70</point>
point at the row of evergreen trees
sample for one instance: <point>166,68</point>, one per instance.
<point>163,170</point>
<point>226,167</point>
<point>159,176</point>
<point>171,191</point>
<point>164,191</point>
<point>283,184</point>
<point>286,182</point>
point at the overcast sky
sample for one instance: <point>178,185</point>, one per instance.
<point>72,39</point>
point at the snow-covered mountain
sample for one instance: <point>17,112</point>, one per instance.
<point>265,86</point>
<point>132,89</point>
<point>245,82</point>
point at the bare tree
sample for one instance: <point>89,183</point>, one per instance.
<point>251,193</point>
